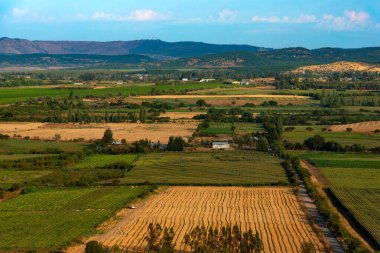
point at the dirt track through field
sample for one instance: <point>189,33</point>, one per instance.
<point>273,211</point>
<point>129,131</point>
<point>221,96</point>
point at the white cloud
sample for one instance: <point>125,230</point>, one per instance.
<point>137,15</point>
<point>303,18</point>
<point>227,15</point>
<point>349,21</point>
<point>18,12</point>
<point>356,17</point>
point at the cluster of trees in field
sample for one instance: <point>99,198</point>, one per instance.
<point>336,99</point>
<point>227,239</point>
<point>319,143</point>
<point>341,81</point>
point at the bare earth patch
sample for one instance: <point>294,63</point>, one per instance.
<point>361,127</point>
<point>341,66</point>
<point>273,211</point>
<point>129,131</point>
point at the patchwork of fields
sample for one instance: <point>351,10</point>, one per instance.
<point>205,168</point>
<point>355,182</point>
<point>274,212</point>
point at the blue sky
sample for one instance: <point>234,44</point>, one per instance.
<point>269,23</point>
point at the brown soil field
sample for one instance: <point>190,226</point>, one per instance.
<point>181,115</point>
<point>340,67</point>
<point>361,127</point>
<point>221,96</point>
<point>272,211</point>
<point>129,131</point>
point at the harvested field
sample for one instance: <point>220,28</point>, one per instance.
<point>181,115</point>
<point>273,211</point>
<point>129,131</point>
<point>362,127</point>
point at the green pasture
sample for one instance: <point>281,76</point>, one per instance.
<point>16,146</point>
<point>207,168</point>
<point>224,128</point>
<point>13,176</point>
<point>344,138</point>
<point>94,161</point>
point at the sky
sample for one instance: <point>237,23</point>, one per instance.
<point>266,23</point>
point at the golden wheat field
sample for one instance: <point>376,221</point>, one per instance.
<point>129,131</point>
<point>273,211</point>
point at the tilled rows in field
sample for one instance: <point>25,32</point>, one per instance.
<point>361,127</point>
<point>273,211</point>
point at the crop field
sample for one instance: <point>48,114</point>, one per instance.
<point>13,157</point>
<point>12,95</point>
<point>207,168</point>
<point>16,146</point>
<point>94,161</point>
<point>48,219</point>
<point>129,131</point>
<point>363,205</point>
<point>274,212</point>
<point>223,128</point>
<point>362,127</point>
<point>355,181</point>
<point>345,138</point>
<point>9,177</point>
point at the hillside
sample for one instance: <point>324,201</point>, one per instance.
<point>45,60</point>
<point>342,66</point>
<point>154,48</point>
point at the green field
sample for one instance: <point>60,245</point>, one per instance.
<point>344,138</point>
<point>103,160</point>
<point>13,157</point>
<point>12,95</point>
<point>9,177</point>
<point>355,181</point>
<point>46,220</point>
<point>224,128</point>
<point>207,168</point>
<point>16,146</point>
<point>364,206</point>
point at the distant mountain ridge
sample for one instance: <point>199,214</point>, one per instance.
<point>153,48</point>
<point>172,55</point>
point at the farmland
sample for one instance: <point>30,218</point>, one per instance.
<point>94,161</point>
<point>129,131</point>
<point>12,95</point>
<point>274,212</point>
<point>355,183</point>
<point>223,128</point>
<point>207,168</point>
<point>369,140</point>
<point>9,177</point>
<point>17,146</point>
<point>363,205</point>
<point>49,219</point>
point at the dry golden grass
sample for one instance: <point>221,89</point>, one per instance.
<point>340,67</point>
<point>181,115</point>
<point>361,127</point>
<point>129,131</point>
<point>273,211</point>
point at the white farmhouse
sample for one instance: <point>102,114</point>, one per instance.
<point>220,145</point>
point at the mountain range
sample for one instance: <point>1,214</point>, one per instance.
<point>160,54</point>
